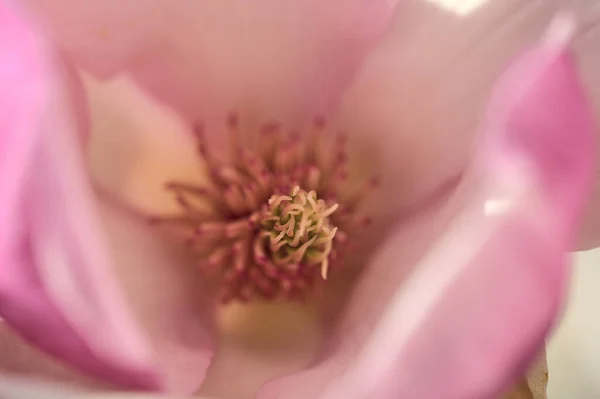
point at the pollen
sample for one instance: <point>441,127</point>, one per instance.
<point>297,230</point>
<point>274,220</point>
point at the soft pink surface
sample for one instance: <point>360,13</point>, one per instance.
<point>202,70</point>
<point>166,294</point>
<point>272,59</point>
<point>19,388</point>
<point>55,285</point>
<point>20,358</point>
<point>475,307</point>
<point>421,94</point>
<point>261,59</point>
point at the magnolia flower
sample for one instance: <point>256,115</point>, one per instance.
<point>334,155</point>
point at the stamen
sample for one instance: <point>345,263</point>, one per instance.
<point>269,138</point>
<point>218,257</point>
<point>299,229</point>
<point>229,175</point>
<point>312,179</point>
<point>325,269</point>
<point>286,156</point>
<point>235,200</point>
<point>234,140</point>
<point>211,229</point>
<point>314,139</point>
<point>240,254</point>
<point>275,225</point>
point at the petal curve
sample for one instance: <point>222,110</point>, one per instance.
<point>55,284</point>
<point>19,388</point>
<point>285,59</point>
<point>18,357</point>
<point>165,291</point>
<point>438,62</point>
<point>474,309</point>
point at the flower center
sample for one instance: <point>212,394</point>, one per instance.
<point>298,231</point>
<point>275,221</point>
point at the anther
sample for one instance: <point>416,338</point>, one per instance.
<point>276,223</point>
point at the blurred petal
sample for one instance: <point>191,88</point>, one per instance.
<point>259,342</point>
<point>166,294</point>
<point>285,59</point>
<point>420,95</point>
<point>18,388</point>
<point>55,286</point>
<point>138,144</point>
<point>19,357</point>
<point>475,308</point>
<point>537,378</point>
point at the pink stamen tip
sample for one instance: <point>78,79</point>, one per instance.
<point>230,277</point>
<point>270,127</point>
<point>375,182</point>
<point>275,206</point>
<point>262,259</point>
<point>232,119</point>
<point>319,122</point>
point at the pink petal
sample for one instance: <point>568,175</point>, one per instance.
<point>474,309</point>
<point>20,388</point>
<point>260,341</point>
<point>271,58</point>
<point>19,357</point>
<point>55,287</point>
<point>166,294</point>
<point>438,62</point>
<point>138,144</point>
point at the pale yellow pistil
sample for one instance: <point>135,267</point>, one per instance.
<point>298,230</point>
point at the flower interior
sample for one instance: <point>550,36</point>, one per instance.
<point>277,220</point>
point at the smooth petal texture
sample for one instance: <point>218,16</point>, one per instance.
<point>258,342</point>
<point>19,388</point>
<point>19,357</point>
<point>476,305</point>
<point>55,285</point>
<point>138,144</point>
<point>417,101</point>
<point>165,292</point>
<point>270,59</point>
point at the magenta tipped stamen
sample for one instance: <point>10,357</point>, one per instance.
<point>278,222</point>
